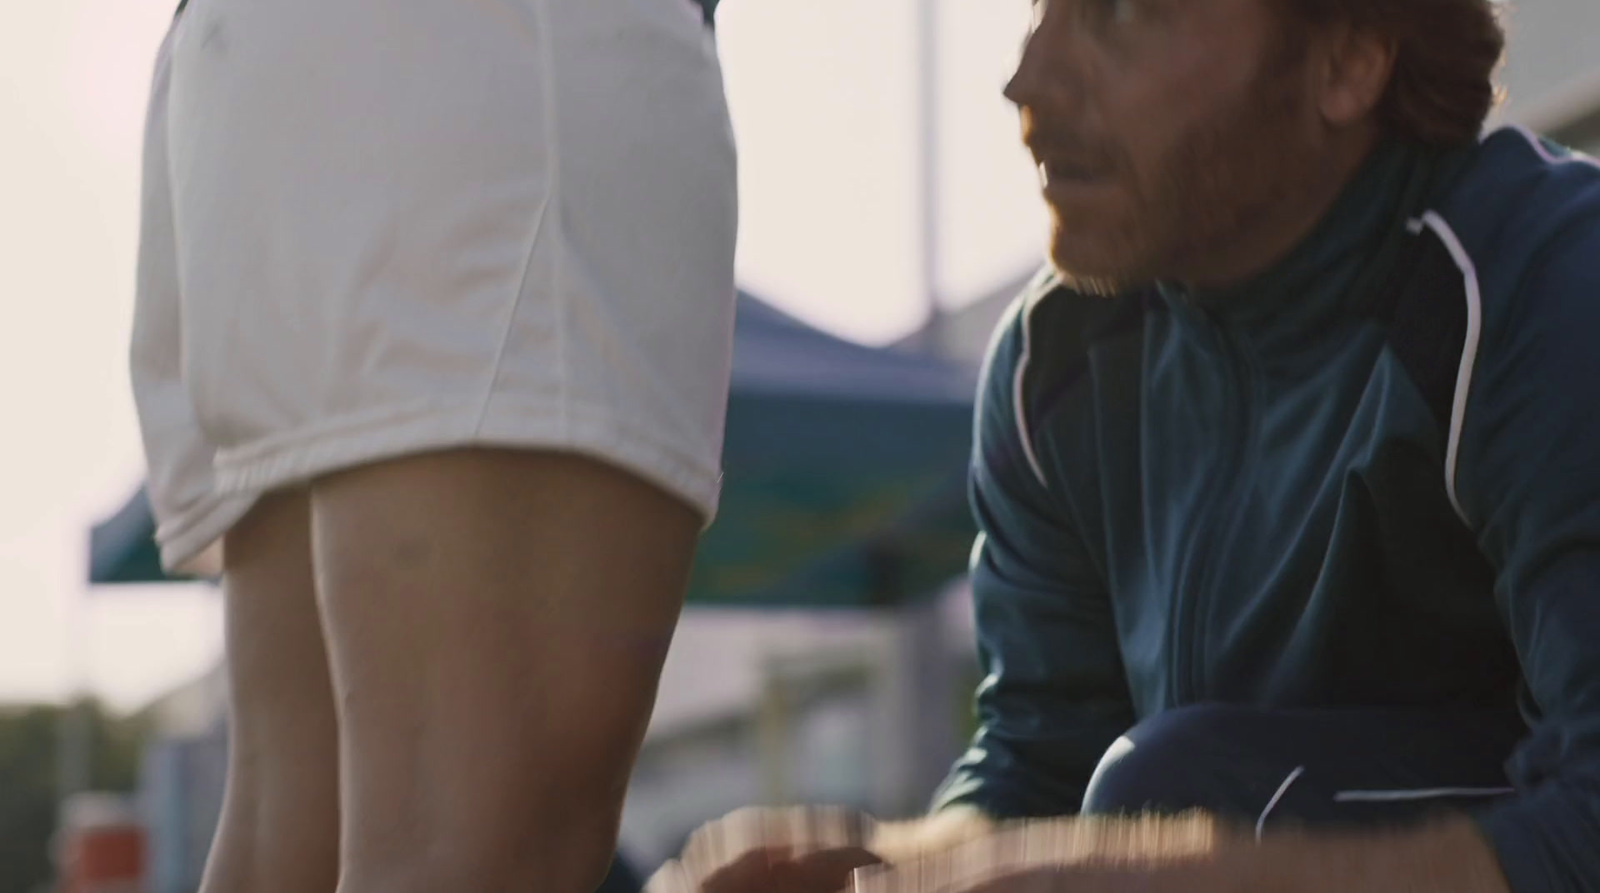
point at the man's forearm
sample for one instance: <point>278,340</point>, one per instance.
<point>1195,854</point>
<point>1449,856</point>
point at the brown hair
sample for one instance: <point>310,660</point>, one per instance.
<point>1447,51</point>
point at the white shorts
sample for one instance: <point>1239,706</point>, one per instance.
<point>374,228</point>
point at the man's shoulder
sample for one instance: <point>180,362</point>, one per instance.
<point>1515,167</point>
<point>1520,203</point>
<point>1503,295</point>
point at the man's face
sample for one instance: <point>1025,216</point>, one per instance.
<point>1164,130</point>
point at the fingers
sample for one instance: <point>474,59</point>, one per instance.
<point>1038,879</point>
<point>670,878</point>
<point>830,870</point>
<point>1018,857</point>
<point>911,839</point>
<point>810,849</point>
<point>775,870</point>
<point>767,870</point>
<point>1075,855</point>
<point>800,830</point>
<point>763,869</point>
<point>977,864</point>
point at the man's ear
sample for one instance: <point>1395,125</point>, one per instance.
<point>1353,73</point>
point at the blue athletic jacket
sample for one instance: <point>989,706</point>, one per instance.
<point>1369,478</point>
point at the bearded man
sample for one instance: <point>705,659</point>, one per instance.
<point>1288,478</point>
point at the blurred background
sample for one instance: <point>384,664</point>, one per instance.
<point>888,216</point>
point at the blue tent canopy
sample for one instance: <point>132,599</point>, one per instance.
<point>843,476</point>
<point>122,548</point>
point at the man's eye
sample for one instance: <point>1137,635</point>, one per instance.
<point>1116,12</point>
<point>1092,13</point>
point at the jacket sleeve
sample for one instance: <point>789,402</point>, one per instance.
<point>1528,478</point>
<point>1054,695</point>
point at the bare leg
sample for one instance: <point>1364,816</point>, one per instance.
<point>497,622</point>
<point>280,818</point>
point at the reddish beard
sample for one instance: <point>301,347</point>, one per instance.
<point>1218,182</point>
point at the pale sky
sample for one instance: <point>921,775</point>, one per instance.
<point>823,96</point>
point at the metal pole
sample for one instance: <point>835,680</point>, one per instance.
<point>775,726</point>
<point>929,167</point>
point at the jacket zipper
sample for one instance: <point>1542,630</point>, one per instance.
<point>1188,653</point>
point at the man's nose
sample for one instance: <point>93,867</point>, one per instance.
<point>1026,84</point>
<point>1049,71</point>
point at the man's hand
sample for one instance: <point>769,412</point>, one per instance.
<point>1068,855</point>
<point>804,849</point>
<point>912,839</point>
<point>1196,855</point>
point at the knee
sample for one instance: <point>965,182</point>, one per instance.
<point>1159,765</point>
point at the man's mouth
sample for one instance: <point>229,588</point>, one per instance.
<point>1071,181</point>
<point>1071,172</point>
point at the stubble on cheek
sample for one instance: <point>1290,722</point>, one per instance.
<point>1216,179</point>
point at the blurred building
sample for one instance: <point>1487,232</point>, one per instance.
<point>858,708</point>
<point>181,780</point>
<point>1552,72</point>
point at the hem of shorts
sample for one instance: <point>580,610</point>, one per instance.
<point>297,457</point>
<point>186,537</point>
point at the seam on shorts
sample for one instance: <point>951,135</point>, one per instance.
<point>509,423</point>
<point>552,132</point>
<point>541,26</point>
<point>510,321</point>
